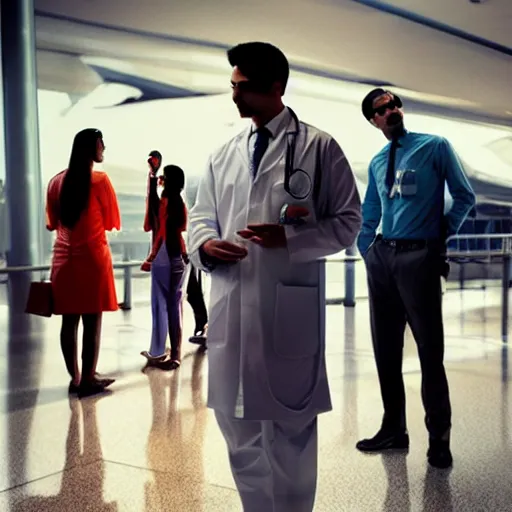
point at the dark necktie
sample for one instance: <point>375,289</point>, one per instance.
<point>260,146</point>
<point>390,174</point>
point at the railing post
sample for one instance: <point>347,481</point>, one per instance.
<point>504,300</point>
<point>127,301</point>
<point>350,279</point>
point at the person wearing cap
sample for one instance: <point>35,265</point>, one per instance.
<point>405,196</point>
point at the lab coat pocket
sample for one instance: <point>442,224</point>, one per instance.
<point>296,322</point>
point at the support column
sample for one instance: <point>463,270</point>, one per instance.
<point>23,175</point>
<point>350,279</point>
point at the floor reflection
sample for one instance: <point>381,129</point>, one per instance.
<point>437,493</point>
<point>23,359</point>
<point>82,420</point>
<point>397,491</point>
<point>161,449</point>
<point>504,363</point>
<point>176,437</point>
<point>350,397</point>
<point>505,399</point>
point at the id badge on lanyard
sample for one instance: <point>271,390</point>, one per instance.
<point>405,184</point>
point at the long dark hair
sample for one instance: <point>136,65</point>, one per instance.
<point>76,187</point>
<point>174,183</point>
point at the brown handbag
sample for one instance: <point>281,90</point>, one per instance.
<point>40,299</point>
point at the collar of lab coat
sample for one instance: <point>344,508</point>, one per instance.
<point>280,122</point>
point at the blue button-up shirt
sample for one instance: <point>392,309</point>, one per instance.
<point>416,210</point>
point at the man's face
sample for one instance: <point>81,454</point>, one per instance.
<point>100,149</point>
<point>250,98</point>
<point>387,116</point>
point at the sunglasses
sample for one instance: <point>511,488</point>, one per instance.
<point>396,102</point>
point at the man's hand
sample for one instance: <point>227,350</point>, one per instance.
<point>270,236</point>
<point>224,251</point>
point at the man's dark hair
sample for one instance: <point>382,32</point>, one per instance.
<point>367,105</point>
<point>261,63</point>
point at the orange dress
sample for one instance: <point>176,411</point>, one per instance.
<point>82,275</point>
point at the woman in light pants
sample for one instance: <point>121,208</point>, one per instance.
<point>167,262</point>
<point>167,277</point>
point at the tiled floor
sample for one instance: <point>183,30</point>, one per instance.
<point>153,446</point>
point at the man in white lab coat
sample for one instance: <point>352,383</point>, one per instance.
<point>273,202</point>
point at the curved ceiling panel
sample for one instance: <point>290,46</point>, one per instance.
<point>63,72</point>
<point>486,19</point>
<point>336,37</point>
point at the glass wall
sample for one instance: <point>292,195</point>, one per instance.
<point>187,130</point>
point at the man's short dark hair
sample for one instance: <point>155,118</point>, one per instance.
<point>262,63</point>
<point>367,105</point>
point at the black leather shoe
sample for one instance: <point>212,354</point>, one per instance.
<point>384,441</point>
<point>439,454</point>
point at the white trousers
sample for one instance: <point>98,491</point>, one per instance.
<point>274,463</point>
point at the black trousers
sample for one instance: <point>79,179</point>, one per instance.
<point>405,287</point>
<point>196,300</point>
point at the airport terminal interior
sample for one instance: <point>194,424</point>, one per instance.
<point>154,75</point>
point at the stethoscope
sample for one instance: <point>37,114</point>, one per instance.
<point>297,182</point>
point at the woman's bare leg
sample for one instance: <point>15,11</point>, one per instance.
<point>68,345</point>
<point>91,345</point>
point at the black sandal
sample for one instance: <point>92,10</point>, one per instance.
<point>168,364</point>
<point>94,388</point>
<point>199,337</point>
<point>73,389</point>
<point>153,359</point>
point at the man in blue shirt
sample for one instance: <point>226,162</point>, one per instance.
<point>405,197</point>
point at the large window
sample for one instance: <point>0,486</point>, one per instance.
<point>187,130</point>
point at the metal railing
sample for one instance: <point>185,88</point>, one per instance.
<point>128,266</point>
<point>492,247</point>
<point>486,248</point>
<point>480,246</point>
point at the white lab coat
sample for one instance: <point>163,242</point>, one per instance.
<point>266,330</point>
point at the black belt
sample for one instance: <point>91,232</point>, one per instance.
<point>408,245</point>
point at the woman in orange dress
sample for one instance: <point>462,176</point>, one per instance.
<point>81,206</point>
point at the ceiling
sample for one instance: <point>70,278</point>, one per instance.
<point>490,19</point>
<point>182,45</point>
